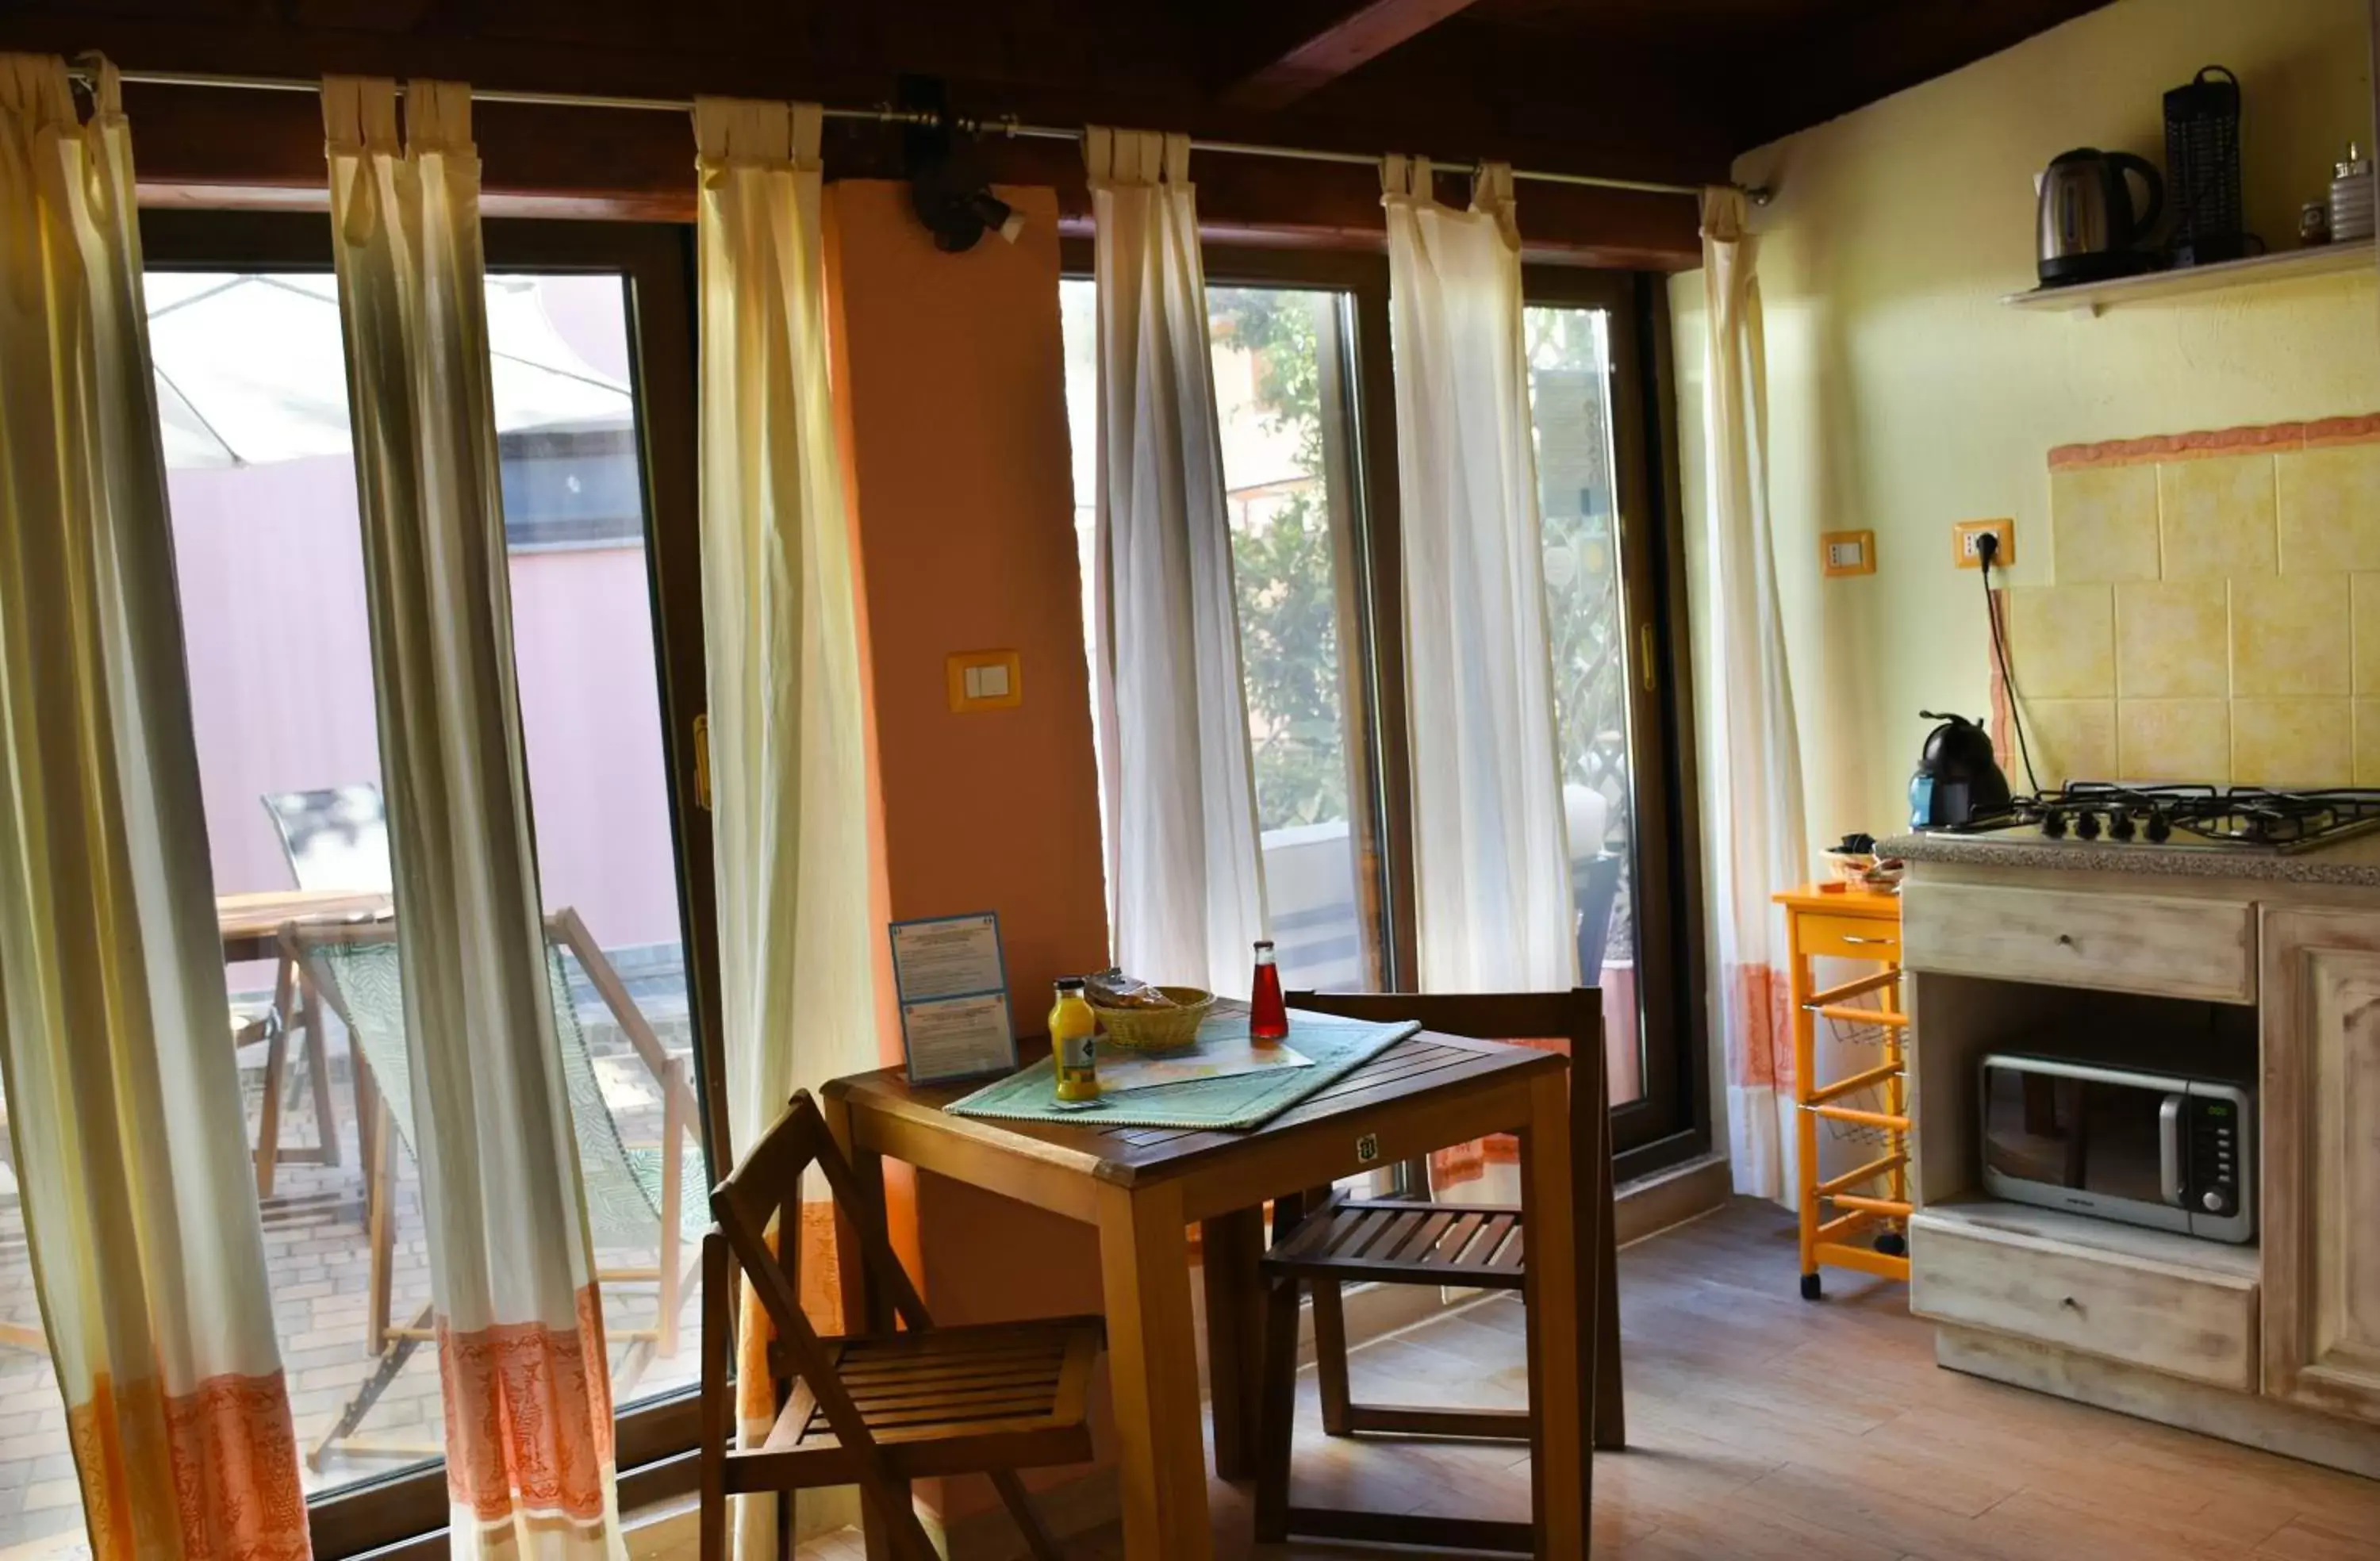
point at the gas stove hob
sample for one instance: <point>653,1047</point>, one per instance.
<point>2189,817</point>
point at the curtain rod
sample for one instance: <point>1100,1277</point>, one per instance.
<point>887,116</point>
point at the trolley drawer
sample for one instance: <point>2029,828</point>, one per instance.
<point>1856,937</point>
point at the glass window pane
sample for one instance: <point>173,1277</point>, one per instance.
<point>583,644</point>
<point>252,391</point>
<point>1587,623</point>
<point>1282,409</point>
<point>1282,405</point>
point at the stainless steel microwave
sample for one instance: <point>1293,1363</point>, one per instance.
<point>2171,1151</point>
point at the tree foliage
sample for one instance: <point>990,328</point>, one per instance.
<point>1283,574</point>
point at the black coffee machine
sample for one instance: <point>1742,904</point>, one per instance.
<point>1958,780</point>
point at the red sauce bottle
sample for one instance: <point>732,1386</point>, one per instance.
<point>1268,1016</point>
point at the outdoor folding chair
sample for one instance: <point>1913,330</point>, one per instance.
<point>648,1198</point>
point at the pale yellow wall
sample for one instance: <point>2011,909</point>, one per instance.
<point>1903,396</point>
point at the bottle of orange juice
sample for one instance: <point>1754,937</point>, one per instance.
<point>1073,1026</point>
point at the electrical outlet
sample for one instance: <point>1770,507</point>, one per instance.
<point>1962,542</point>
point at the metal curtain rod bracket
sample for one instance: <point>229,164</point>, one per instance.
<point>1008,125</point>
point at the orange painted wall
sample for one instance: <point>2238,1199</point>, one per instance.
<point>950,384</point>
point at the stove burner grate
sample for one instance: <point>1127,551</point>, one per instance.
<point>2243,818</point>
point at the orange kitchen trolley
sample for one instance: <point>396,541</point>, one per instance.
<point>1870,1105</point>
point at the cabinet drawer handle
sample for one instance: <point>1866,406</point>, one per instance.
<point>1852,938</point>
<point>2066,939</point>
<point>2071,1303</point>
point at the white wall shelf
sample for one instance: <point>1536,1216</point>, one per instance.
<point>2282,265</point>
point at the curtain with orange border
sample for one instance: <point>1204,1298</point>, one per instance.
<point>518,1320</point>
<point>788,718</point>
<point>1751,753</point>
<point>130,1148</point>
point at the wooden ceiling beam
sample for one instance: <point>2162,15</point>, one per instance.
<point>1292,50</point>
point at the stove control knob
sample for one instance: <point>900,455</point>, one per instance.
<point>2053,824</point>
<point>2159,829</point>
<point>2120,825</point>
<point>2087,825</point>
<point>2212,1201</point>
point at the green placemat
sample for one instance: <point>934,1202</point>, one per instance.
<point>1337,1046</point>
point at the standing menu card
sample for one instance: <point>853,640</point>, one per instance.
<point>953,985</point>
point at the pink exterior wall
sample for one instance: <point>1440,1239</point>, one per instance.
<point>271,568</point>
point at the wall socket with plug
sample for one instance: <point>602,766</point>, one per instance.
<point>1962,542</point>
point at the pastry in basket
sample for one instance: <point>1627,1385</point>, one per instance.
<point>1112,988</point>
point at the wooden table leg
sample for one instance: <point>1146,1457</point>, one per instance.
<point>1561,1471</point>
<point>283,1014</point>
<point>864,1309</point>
<point>1153,1363</point>
<point>1231,1248</point>
<point>1598,1255</point>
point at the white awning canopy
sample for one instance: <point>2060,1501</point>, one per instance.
<point>251,369</point>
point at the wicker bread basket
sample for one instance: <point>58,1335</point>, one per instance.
<point>1158,1029</point>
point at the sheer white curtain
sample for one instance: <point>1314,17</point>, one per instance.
<point>519,1324</point>
<point>1751,753</point>
<point>130,1149</point>
<point>1491,855</point>
<point>1185,881</point>
<point>788,760</point>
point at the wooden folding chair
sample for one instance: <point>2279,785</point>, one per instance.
<point>1341,1241</point>
<point>876,1410</point>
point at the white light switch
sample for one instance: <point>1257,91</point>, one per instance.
<point>984,679</point>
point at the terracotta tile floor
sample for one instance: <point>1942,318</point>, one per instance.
<point>316,1260</point>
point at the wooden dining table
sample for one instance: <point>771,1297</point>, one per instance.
<point>251,924</point>
<point>1142,1187</point>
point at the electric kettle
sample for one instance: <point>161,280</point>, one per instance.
<point>2087,229</point>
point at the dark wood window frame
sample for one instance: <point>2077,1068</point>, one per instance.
<point>1670,1121</point>
<point>406,1512</point>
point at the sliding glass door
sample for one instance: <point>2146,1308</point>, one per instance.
<point>1284,368</point>
<point>1614,608</point>
<point>1305,398</point>
<point>594,392</point>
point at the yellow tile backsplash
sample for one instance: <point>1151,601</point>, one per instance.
<point>2173,639</point>
<point>2073,628</point>
<point>2367,741</point>
<point>2327,503</point>
<point>2104,523</point>
<point>2072,739</point>
<point>2289,635</point>
<point>2215,517</point>
<point>2213,612</point>
<point>2365,608</point>
<point>2292,742</point>
<point>2188,740</point>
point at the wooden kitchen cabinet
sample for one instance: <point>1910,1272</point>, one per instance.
<point>2321,1023</point>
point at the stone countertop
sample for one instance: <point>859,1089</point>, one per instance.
<point>2352,862</point>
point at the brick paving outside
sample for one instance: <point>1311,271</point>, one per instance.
<point>317,1259</point>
